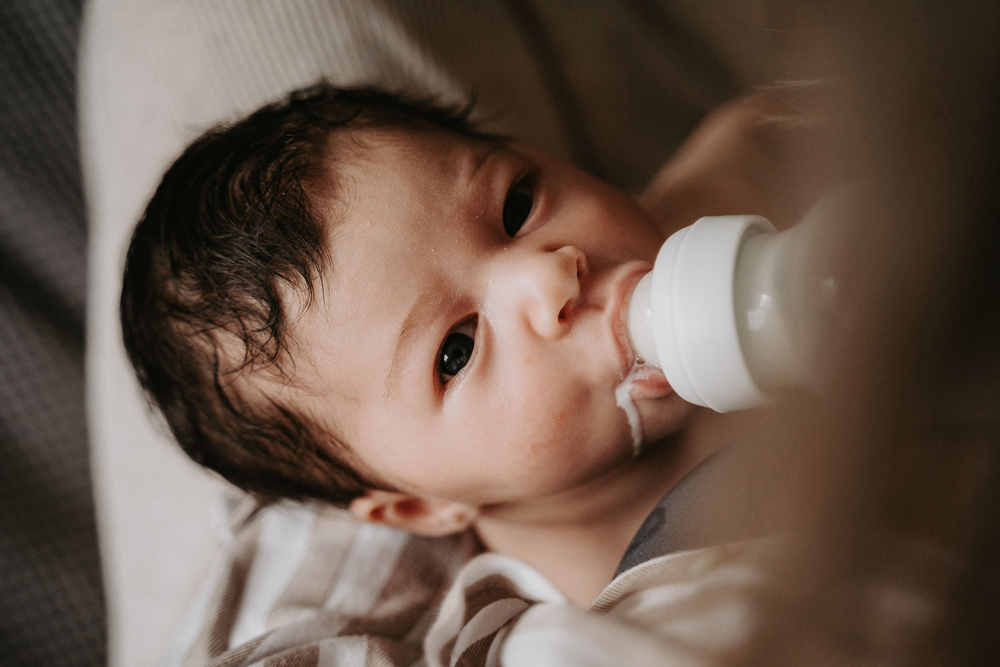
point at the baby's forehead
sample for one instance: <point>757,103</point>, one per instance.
<point>392,144</point>
<point>371,170</point>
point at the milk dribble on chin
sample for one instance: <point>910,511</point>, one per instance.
<point>623,397</point>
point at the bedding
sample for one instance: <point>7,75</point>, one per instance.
<point>702,607</point>
<point>308,586</point>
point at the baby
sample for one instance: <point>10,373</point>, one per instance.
<point>361,299</point>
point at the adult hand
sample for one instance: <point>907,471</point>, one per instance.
<point>759,155</point>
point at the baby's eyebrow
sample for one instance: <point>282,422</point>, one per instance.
<point>420,312</point>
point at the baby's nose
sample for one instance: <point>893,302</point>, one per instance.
<point>546,286</point>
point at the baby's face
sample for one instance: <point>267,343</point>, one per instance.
<point>468,337</point>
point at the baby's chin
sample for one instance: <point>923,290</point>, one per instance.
<point>661,414</point>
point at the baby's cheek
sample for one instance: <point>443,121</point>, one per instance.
<point>595,432</point>
<point>557,430</point>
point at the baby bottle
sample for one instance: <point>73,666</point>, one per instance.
<point>735,312</point>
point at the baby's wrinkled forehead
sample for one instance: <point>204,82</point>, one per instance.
<point>374,173</point>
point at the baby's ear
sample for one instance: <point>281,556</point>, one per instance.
<point>421,516</point>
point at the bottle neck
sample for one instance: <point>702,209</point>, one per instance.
<point>785,298</point>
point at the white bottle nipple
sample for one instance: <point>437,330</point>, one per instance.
<point>640,321</point>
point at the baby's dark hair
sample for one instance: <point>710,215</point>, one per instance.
<point>232,227</point>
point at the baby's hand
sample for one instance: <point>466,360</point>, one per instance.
<point>758,155</point>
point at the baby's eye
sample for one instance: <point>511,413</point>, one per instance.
<point>456,350</point>
<point>517,205</point>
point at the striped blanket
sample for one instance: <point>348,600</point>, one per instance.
<point>307,586</point>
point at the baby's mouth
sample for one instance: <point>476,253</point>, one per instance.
<point>649,383</point>
<point>624,290</point>
<point>643,382</point>
<point>640,381</point>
